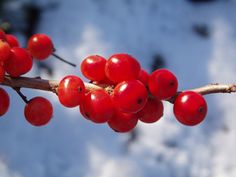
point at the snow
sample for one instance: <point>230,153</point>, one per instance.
<point>71,146</point>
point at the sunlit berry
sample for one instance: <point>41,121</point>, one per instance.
<point>190,108</point>
<point>130,96</point>
<point>71,91</point>
<point>123,122</point>
<point>122,67</point>
<point>40,46</point>
<point>97,106</point>
<point>152,111</point>
<point>38,111</point>
<point>19,62</point>
<point>163,84</point>
<point>93,68</point>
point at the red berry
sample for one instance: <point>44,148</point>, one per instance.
<point>4,102</point>
<point>190,108</point>
<point>71,91</point>
<point>82,112</point>
<point>4,51</point>
<point>143,77</point>
<point>38,111</point>
<point>93,68</point>
<point>163,84</point>
<point>152,111</point>
<point>97,106</point>
<point>121,67</point>
<point>123,122</point>
<point>40,46</point>
<point>19,62</point>
<point>105,81</point>
<point>12,40</point>
<point>2,73</point>
<point>130,96</point>
<point>2,35</point>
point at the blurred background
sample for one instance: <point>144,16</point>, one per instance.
<point>196,39</point>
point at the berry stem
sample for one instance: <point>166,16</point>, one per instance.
<point>51,85</point>
<point>63,60</point>
<point>23,97</point>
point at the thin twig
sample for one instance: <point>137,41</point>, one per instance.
<point>216,88</point>
<point>52,85</point>
<point>63,60</point>
<point>23,97</point>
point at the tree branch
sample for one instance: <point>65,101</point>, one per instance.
<point>38,83</point>
<point>216,88</point>
<point>52,85</point>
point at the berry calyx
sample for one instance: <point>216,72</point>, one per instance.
<point>12,40</point>
<point>4,50</point>
<point>122,67</point>
<point>130,96</point>
<point>4,102</point>
<point>190,108</point>
<point>122,122</point>
<point>97,106</point>
<point>163,84</point>
<point>38,111</point>
<point>71,91</point>
<point>152,111</point>
<point>93,68</point>
<point>19,62</point>
<point>40,46</point>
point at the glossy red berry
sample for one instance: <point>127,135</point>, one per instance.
<point>152,111</point>
<point>143,77</point>
<point>38,111</point>
<point>40,46</point>
<point>4,102</point>
<point>12,40</point>
<point>190,108</point>
<point>105,81</point>
<point>2,35</point>
<point>121,67</point>
<point>163,84</point>
<point>19,62</point>
<point>93,68</point>
<point>123,122</point>
<point>97,106</point>
<point>130,96</point>
<point>2,73</point>
<point>4,51</point>
<point>82,112</point>
<point>71,91</point>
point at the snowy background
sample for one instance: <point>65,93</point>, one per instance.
<point>70,146</point>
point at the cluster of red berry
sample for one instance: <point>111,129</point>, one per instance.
<point>133,95</point>
<point>16,61</point>
<point>136,94</point>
